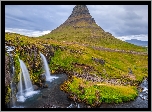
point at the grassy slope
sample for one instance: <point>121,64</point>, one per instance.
<point>116,65</point>
<point>93,36</point>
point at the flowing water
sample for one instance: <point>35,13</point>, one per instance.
<point>10,50</point>
<point>25,87</point>
<point>46,68</point>
<point>53,97</point>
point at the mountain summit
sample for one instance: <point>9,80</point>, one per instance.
<point>79,13</point>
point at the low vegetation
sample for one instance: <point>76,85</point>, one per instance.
<point>94,93</point>
<point>74,58</point>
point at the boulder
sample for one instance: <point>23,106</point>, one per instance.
<point>35,87</point>
<point>43,78</point>
<point>45,86</point>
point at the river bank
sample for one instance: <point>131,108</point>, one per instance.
<point>53,97</point>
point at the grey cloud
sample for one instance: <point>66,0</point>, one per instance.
<point>118,20</point>
<point>121,20</point>
<point>40,16</point>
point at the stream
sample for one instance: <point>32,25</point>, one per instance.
<point>53,97</point>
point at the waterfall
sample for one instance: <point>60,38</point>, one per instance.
<point>10,50</point>
<point>12,95</point>
<point>46,68</point>
<point>26,76</point>
<point>20,93</point>
<point>25,87</point>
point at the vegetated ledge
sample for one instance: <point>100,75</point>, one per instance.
<point>94,93</point>
<point>84,65</point>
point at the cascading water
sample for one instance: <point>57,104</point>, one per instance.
<point>25,87</point>
<point>10,50</point>
<point>20,93</point>
<point>26,76</point>
<point>46,68</point>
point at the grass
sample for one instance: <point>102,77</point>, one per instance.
<point>65,55</point>
<point>107,93</point>
<point>90,34</point>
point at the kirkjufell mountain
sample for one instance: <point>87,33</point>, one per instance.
<point>81,27</point>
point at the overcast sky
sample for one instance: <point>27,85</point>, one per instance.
<point>123,21</point>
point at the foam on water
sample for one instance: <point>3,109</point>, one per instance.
<point>78,106</point>
<point>31,93</point>
<point>21,98</point>
<point>145,89</point>
<point>51,78</point>
<point>9,48</point>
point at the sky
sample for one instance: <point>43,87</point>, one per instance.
<point>125,22</point>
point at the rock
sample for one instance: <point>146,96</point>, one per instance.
<point>79,13</point>
<point>7,71</point>
<point>88,106</point>
<point>35,87</point>
<point>101,61</point>
<point>44,96</point>
<point>130,71</point>
<point>41,84</point>
<point>45,86</point>
<point>43,78</point>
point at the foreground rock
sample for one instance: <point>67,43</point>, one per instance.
<point>7,71</point>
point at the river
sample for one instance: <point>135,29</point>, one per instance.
<point>53,97</point>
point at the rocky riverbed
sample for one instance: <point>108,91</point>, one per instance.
<point>53,97</point>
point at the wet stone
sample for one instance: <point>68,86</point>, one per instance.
<point>35,87</point>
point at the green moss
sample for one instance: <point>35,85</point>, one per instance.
<point>107,93</point>
<point>7,94</point>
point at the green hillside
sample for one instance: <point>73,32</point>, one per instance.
<point>83,60</point>
<point>93,35</point>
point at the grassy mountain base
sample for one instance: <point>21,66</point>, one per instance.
<point>118,82</point>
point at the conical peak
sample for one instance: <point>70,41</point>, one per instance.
<point>80,10</point>
<point>79,13</point>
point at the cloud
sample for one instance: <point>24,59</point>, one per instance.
<point>120,20</point>
<point>33,17</point>
<point>26,32</point>
<point>141,37</point>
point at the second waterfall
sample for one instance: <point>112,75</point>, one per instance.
<point>46,68</point>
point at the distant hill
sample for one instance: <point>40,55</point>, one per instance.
<point>138,42</point>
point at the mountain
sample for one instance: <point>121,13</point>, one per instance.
<point>138,42</point>
<point>80,27</point>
